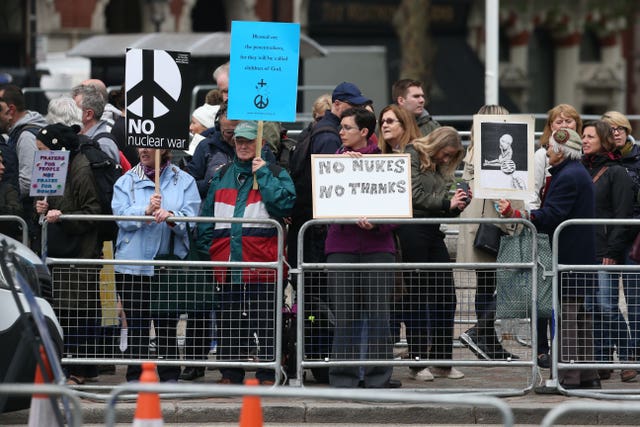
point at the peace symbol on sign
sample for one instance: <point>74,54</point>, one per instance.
<point>261,101</point>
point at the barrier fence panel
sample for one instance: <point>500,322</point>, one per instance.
<point>6,222</point>
<point>598,309</point>
<point>186,313</point>
<point>605,413</point>
<point>74,418</point>
<point>502,410</point>
<point>410,314</point>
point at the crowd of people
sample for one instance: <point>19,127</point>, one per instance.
<point>582,170</point>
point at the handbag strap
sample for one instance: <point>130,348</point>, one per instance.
<point>171,242</point>
<point>599,174</point>
<point>172,239</point>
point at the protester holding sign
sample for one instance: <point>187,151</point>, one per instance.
<point>246,321</point>
<point>77,292</point>
<point>360,298</point>
<point>135,194</point>
<point>430,299</point>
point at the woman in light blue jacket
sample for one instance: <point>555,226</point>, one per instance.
<point>134,194</point>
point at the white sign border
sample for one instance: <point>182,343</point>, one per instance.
<point>502,192</point>
<point>404,210</point>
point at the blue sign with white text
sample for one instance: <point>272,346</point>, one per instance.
<point>263,71</point>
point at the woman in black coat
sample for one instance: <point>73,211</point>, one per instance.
<point>614,199</point>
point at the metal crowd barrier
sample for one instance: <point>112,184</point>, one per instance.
<point>74,418</point>
<point>559,413</point>
<point>102,347</point>
<point>289,392</point>
<point>314,314</point>
<point>624,391</point>
<point>23,224</point>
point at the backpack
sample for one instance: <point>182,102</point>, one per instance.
<point>105,173</point>
<point>300,165</point>
<point>10,155</point>
<point>283,157</point>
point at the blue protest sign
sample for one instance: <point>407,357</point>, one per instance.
<point>263,71</point>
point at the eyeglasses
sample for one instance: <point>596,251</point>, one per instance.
<point>388,121</point>
<point>347,128</point>
<point>227,132</point>
<point>618,129</point>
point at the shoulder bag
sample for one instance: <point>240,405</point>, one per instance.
<point>514,286</point>
<point>181,289</point>
<point>488,236</point>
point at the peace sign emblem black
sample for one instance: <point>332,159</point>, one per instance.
<point>261,101</point>
<point>153,84</point>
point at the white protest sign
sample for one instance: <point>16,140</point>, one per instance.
<point>374,185</point>
<point>49,173</point>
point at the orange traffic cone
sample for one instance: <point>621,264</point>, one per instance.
<point>42,412</point>
<point>148,412</point>
<point>251,412</point>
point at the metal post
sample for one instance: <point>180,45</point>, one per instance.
<point>491,73</point>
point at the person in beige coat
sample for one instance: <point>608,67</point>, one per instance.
<point>481,339</point>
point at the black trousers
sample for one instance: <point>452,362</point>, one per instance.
<point>429,303</point>
<point>135,294</point>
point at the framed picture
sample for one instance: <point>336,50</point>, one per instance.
<point>503,156</point>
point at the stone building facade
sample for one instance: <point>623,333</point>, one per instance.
<point>586,53</point>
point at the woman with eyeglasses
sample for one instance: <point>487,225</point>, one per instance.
<point>630,160</point>
<point>614,199</point>
<point>360,299</point>
<point>429,303</point>
<point>397,128</point>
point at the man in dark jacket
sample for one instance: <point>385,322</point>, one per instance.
<point>344,96</point>
<point>409,94</point>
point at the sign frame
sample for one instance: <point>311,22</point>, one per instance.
<point>263,71</point>
<point>48,172</point>
<point>390,174</point>
<point>503,156</point>
<point>157,98</point>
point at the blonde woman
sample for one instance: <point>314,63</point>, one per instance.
<point>430,301</point>
<point>481,339</point>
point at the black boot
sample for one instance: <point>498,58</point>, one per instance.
<point>474,342</point>
<point>192,373</point>
<point>492,347</point>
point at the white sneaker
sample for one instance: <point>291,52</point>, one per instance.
<point>421,375</point>
<point>451,373</point>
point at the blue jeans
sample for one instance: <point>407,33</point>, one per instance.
<point>631,285</point>
<point>609,326</point>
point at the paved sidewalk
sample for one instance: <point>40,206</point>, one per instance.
<point>528,409</point>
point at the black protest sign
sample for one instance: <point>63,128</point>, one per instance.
<point>157,98</point>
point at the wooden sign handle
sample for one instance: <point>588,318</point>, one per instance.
<point>157,176</point>
<point>258,149</point>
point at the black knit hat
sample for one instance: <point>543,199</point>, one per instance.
<point>59,136</point>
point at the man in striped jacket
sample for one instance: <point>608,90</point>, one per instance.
<point>247,296</point>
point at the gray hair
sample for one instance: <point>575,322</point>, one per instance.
<point>569,153</point>
<point>64,110</point>
<point>222,69</point>
<point>92,99</point>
